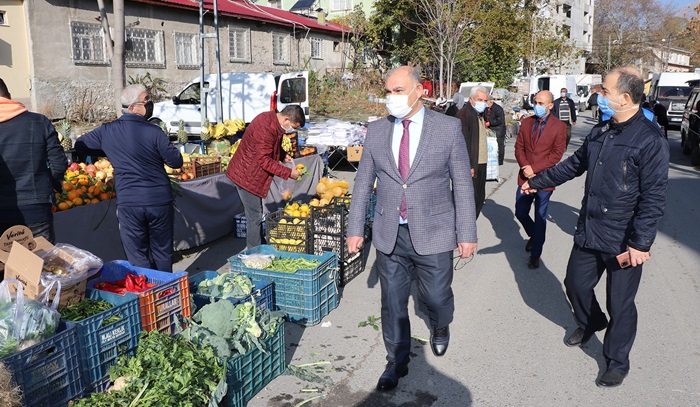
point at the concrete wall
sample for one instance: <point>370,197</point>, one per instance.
<point>14,55</point>
<point>76,88</point>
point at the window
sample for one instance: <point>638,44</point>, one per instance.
<point>191,94</point>
<point>88,43</point>
<point>316,48</point>
<point>239,44</point>
<point>186,50</point>
<point>280,48</point>
<point>293,90</point>
<point>567,10</point>
<point>338,5</point>
<point>336,46</point>
<point>3,18</point>
<point>276,3</point>
<point>144,48</point>
<point>566,30</point>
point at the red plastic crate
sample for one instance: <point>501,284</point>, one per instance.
<point>159,305</point>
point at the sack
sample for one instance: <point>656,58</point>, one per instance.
<point>68,265</point>
<point>25,322</point>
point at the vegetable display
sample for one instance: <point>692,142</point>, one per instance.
<point>232,329</point>
<point>166,371</point>
<point>86,308</point>
<point>227,285</point>
<point>290,265</point>
<point>132,283</point>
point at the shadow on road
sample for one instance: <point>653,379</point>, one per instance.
<point>562,215</point>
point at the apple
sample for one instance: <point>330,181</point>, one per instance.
<point>90,168</point>
<point>73,167</point>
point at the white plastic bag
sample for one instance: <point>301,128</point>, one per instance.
<point>69,265</point>
<point>257,260</point>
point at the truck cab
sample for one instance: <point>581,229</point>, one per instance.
<point>672,90</point>
<point>243,95</point>
<point>553,83</point>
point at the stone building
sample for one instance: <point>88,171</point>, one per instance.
<point>53,53</point>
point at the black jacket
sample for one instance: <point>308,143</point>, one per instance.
<point>470,130</point>
<point>137,150</point>
<point>572,109</point>
<point>32,161</point>
<point>497,120</point>
<point>625,192</point>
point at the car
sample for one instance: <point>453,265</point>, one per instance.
<point>671,90</point>
<point>690,125</point>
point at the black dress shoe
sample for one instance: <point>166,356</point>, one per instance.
<point>611,378</point>
<point>390,378</point>
<point>581,336</point>
<point>439,340</point>
<point>528,245</point>
<point>533,263</point>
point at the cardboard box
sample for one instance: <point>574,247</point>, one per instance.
<point>22,261</point>
<point>354,153</point>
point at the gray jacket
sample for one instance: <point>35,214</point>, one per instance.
<point>439,190</point>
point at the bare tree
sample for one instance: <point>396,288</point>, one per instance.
<point>115,47</point>
<point>443,25</point>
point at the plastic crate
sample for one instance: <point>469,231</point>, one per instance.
<point>100,346</point>
<point>354,266</point>
<point>240,226</point>
<point>307,295</point>
<point>331,218</point>
<point>159,305</point>
<point>202,166</point>
<point>49,372</point>
<point>280,226</point>
<point>262,292</point>
<point>247,374</point>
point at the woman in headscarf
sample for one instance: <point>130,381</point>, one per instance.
<point>457,103</point>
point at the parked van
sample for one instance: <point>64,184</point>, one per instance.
<point>690,125</point>
<point>466,87</point>
<point>244,96</point>
<point>672,91</point>
<point>553,83</point>
<point>584,84</point>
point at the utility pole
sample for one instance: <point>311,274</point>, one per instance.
<point>609,43</point>
<point>668,53</point>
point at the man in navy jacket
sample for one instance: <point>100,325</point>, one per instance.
<point>138,151</point>
<point>626,165</point>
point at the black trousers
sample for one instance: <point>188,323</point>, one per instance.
<point>434,274</point>
<point>147,235</point>
<point>479,187</point>
<point>501,148</point>
<point>583,272</point>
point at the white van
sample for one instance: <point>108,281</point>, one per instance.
<point>553,83</point>
<point>584,83</point>
<point>671,90</point>
<point>466,87</point>
<point>244,96</point>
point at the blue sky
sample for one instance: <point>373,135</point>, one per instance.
<point>685,3</point>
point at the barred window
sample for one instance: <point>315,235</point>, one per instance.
<point>316,48</point>
<point>276,3</point>
<point>186,50</point>
<point>239,44</point>
<point>280,48</point>
<point>88,43</point>
<point>144,48</point>
<point>339,5</point>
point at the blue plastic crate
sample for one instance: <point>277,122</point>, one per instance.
<point>101,345</point>
<point>307,295</point>
<point>262,292</point>
<point>247,374</point>
<point>49,372</point>
<point>159,305</point>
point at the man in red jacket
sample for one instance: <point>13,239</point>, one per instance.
<point>257,161</point>
<point>541,143</point>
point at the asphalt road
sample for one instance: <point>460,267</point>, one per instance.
<point>507,338</point>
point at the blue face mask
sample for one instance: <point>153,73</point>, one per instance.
<point>605,109</point>
<point>540,111</point>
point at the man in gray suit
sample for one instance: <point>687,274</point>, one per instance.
<point>424,210</point>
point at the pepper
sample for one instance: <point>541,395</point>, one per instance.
<point>132,283</point>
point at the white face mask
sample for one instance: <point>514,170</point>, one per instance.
<point>290,130</point>
<point>563,94</point>
<point>480,106</point>
<point>397,105</point>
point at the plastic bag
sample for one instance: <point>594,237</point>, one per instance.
<point>69,265</point>
<point>24,322</point>
<point>257,260</point>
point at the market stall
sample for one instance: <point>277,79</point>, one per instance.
<point>204,210</point>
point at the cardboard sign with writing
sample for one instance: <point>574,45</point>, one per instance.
<point>20,234</point>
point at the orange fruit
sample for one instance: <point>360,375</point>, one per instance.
<point>63,206</point>
<point>104,196</point>
<point>94,200</point>
<point>74,181</point>
<point>78,201</point>
<point>67,186</point>
<point>84,181</point>
<point>53,208</point>
<point>72,195</point>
